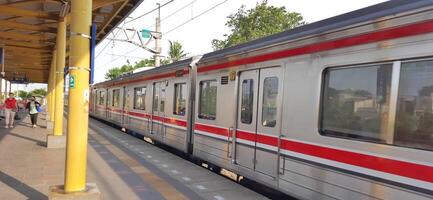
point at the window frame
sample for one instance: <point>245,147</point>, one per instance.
<point>99,97</point>
<point>342,135</point>
<point>263,101</point>
<point>134,97</point>
<point>251,96</point>
<point>199,100</point>
<point>175,95</point>
<point>112,98</point>
<point>393,104</point>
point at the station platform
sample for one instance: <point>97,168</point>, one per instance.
<point>122,166</point>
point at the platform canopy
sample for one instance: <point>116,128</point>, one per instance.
<point>28,32</point>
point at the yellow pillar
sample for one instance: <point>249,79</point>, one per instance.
<point>78,111</point>
<point>53,87</point>
<point>49,89</point>
<point>59,82</point>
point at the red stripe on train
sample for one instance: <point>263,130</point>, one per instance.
<point>391,33</point>
<point>400,168</point>
<point>158,118</point>
<point>396,167</point>
<point>115,110</point>
<point>212,129</point>
<point>142,115</point>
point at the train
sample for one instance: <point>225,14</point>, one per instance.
<point>337,109</point>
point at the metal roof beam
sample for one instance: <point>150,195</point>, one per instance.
<point>27,27</point>
<point>23,37</point>
<point>36,44</point>
<point>28,50</point>
<point>27,13</point>
<point>101,3</point>
<point>110,19</point>
<point>29,2</point>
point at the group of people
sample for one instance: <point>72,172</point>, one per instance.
<point>11,108</point>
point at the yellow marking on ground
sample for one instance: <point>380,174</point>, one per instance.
<point>164,188</point>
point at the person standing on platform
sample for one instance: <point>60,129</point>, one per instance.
<point>10,110</point>
<point>33,106</point>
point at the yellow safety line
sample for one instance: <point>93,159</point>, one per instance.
<point>164,188</point>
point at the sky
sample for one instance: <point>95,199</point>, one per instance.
<point>199,30</point>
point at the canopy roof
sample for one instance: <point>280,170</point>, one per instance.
<point>28,31</point>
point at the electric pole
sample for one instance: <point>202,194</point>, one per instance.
<point>158,38</point>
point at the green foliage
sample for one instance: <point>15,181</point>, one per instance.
<point>261,21</point>
<point>23,94</point>
<point>116,72</point>
<point>175,51</point>
<point>39,92</point>
<point>36,92</point>
<point>148,62</point>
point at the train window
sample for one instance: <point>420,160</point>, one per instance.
<point>139,98</point>
<point>101,98</point>
<point>247,101</point>
<point>414,118</point>
<point>179,99</point>
<point>207,100</point>
<point>162,101</point>
<point>269,104</point>
<point>116,98</point>
<point>155,97</point>
<point>355,102</point>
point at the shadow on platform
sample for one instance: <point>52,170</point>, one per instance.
<point>21,187</point>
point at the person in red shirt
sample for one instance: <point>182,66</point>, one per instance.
<point>10,110</point>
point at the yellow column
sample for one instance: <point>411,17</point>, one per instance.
<point>53,87</point>
<point>59,82</point>
<point>78,111</point>
<point>48,106</point>
<point>49,91</point>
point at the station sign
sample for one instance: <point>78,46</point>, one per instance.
<point>145,33</point>
<point>71,81</point>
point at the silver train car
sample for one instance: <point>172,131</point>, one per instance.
<point>337,109</point>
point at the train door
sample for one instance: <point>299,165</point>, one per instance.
<point>259,105</point>
<point>158,108</point>
<point>108,103</point>
<point>92,101</point>
<point>125,108</point>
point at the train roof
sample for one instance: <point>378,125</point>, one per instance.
<point>157,70</point>
<point>355,17</point>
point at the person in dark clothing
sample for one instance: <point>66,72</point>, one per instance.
<point>33,107</point>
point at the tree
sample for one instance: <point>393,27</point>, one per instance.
<point>116,72</point>
<point>23,94</point>
<point>261,21</point>
<point>148,62</point>
<point>175,51</point>
<point>41,92</point>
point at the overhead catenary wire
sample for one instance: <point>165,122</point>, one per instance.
<point>151,11</point>
<point>174,13</point>
<point>180,25</point>
<point>135,57</point>
<point>115,34</point>
<point>121,56</point>
<point>192,18</point>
